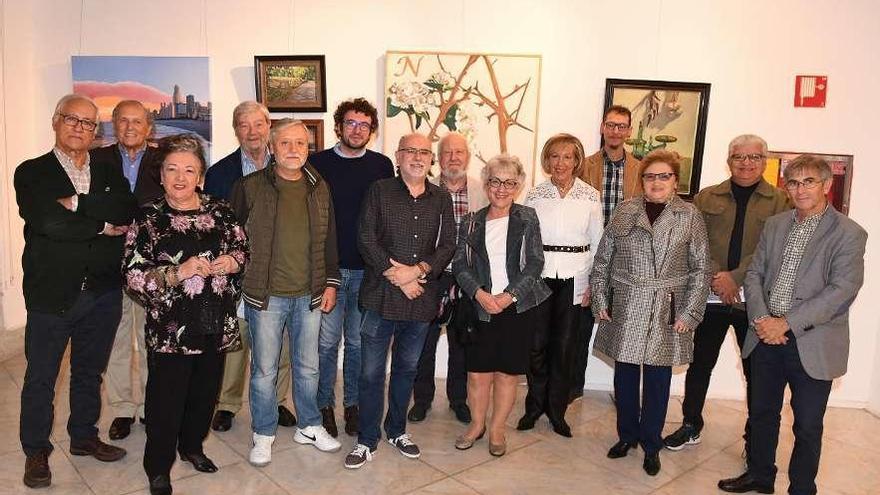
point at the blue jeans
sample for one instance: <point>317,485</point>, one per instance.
<point>376,335</point>
<point>345,318</point>
<point>266,329</point>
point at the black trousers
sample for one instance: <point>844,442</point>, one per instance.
<point>90,327</point>
<point>641,423</point>
<point>180,398</point>
<point>456,374</point>
<point>553,351</point>
<point>708,338</point>
<point>581,353</point>
<point>774,366</point>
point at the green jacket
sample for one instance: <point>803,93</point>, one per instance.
<point>718,207</point>
<point>255,201</point>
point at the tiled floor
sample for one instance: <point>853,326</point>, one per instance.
<point>538,462</point>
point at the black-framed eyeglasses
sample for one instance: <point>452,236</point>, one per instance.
<point>357,124</point>
<point>616,126</point>
<point>808,183</point>
<point>663,177</point>
<point>416,151</point>
<point>508,184</point>
<point>72,121</point>
<point>752,157</point>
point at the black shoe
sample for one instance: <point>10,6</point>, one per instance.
<point>527,422</point>
<point>352,420</point>
<point>417,413</point>
<point>575,395</point>
<point>160,485</point>
<point>328,420</point>
<point>620,449</point>
<point>462,412</point>
<point>561,428</point>
<point>687,434</point>
<point>744,483</point>
<point>285,417</point>
<point>36,470</point>
<point>120,428</point>
<point>200,462</point>
<point>652,464</point>
<point>222,420</point>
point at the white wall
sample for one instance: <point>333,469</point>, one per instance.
<point>749,50</point>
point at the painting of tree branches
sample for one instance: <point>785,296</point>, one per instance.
<point>490,99</point>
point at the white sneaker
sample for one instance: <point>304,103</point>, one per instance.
<point>261,452</point>
<point>317,436</point>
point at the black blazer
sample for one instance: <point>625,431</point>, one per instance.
<point>525,258</point>
<point>147,188</point>
<point>64,248</point>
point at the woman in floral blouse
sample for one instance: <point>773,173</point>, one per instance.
<point>183,260</point>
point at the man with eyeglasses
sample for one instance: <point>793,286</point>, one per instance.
<point>406,238</point>
<point>132,125</point>
<point>734,212</point>
<point>349,168</point>
<point>467,196</point>
<point>75,212</point>
<point>611,170</point>
<point>806,271</point>
<point>251,123</point>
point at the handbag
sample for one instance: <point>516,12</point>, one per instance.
<point>464,320</point>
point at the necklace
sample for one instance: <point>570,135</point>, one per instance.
<point>563,190</point>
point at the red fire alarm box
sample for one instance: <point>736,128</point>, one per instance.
<point>810,91</point>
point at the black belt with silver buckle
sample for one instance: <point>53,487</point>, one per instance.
<point>566,249</point>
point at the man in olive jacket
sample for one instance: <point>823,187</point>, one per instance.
<point>734,212</point>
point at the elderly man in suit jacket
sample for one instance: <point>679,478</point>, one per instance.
<point>805,274</point>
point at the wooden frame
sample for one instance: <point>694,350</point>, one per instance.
<point>841,174</point>
<point>291,83</point>
<point>669,115</point>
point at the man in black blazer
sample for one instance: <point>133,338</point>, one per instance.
<point>137,161</point>
<point>75,212</point>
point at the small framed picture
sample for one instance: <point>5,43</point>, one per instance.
<point>291,83</point>
<point>316,133</point>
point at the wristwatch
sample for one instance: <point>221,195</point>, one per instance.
<point>512,297</point>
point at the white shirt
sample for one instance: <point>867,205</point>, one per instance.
<point>496,248</point>
<point>575,220</point>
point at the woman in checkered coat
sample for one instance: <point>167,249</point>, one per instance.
<point>649,285</point>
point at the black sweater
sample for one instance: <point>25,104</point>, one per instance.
<point>64,248</point>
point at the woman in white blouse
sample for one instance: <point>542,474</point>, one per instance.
<point>570,213</point>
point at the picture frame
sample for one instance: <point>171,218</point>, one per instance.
<point>665,114</point>
<point>316,133</point>
<point>291,83</point>
<point>841,174</point>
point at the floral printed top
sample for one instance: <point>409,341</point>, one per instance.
<point>161,238</point>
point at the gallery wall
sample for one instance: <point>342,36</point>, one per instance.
<point>749,50</point>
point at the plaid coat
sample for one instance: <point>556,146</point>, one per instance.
<point>649,277</point>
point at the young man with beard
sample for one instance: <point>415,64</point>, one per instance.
<point>349,169</point>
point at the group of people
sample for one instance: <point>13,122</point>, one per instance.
<point>272,257</point>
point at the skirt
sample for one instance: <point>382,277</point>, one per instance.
<point>503,344</point>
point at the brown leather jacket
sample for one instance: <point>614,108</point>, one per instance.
<point>593,174</point>
<point>718,207</point>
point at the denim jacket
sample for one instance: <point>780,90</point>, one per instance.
<point>525,258</point>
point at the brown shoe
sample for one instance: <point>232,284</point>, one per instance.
<point>36,470</point>
<point>120,428</point>
<point>97,449</point>
<point>352,416</point>
<point>328,421</point>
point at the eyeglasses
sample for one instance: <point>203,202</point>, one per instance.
<point>416,151</point>
<point>808,183</point>
<point>72,121</point>
<point>754,157</point>
<point>665,176</point>
<point>508,184</point>
<point>614,125</point>
<point>353,124</point>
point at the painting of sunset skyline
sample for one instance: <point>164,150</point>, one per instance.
<point>175,90</point>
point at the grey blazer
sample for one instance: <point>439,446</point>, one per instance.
<point>827,281</point>
<point>525,258</point>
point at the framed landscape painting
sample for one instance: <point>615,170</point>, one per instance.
<point>669,115</point>
<point>291,83</point>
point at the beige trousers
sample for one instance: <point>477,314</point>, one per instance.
<point>119,381</point>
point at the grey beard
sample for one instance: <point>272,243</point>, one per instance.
<point>454,175</point>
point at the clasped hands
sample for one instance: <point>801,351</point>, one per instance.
<point>771,330</point>
<point>406,278</point>
<point>725,287</point>
<point>493,304</point>
<point>197,265</point>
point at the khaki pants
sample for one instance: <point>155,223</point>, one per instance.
<point>121,396</point>
<point>232,387</point>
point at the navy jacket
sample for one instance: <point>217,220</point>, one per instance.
<point>221,176</point>
<point>147,187</point>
